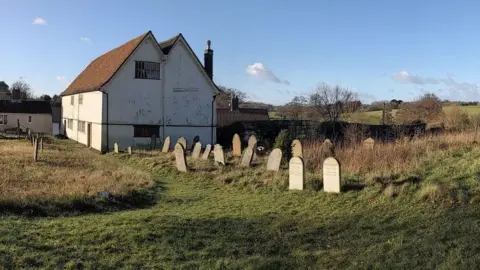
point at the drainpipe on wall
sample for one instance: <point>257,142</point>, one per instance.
<point>213,123</point>
<point>106,120</point>
<point>163,100</point>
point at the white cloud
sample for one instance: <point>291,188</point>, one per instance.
<point>458,90</point>
<point>86,39</point>
<point>259,70</point>
<point>39,21</point>
<point>61,78</point>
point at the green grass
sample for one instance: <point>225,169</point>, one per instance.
<point>198,222</point>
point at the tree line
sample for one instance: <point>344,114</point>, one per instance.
<point>26,92</point>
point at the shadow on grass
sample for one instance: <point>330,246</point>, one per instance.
<point>73,206</point>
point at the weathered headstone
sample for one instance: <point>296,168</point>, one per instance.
<point>247,157</point>
<point>274,160</point>
<point>183,142</point>
<point>236,145</point>
<point>196,150</point>
<point>35,150</point>
<point>129,150</point>
<point>297,149</point>
<point>328,150</point>
<point>115,148</point>
<point>218,154</point>
<point>180,160</point>
<point>331,175</point>
<point>369,143</point>
<point>166,145</point>
<point>153,142</point>
<point>195,140</point>
<point>252,141</point>
<point>206,153</point>
<point>296,174</point>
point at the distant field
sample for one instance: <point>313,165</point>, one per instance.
<point>374,117</point>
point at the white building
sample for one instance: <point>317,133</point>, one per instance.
<point>33,115</point>
<point>140,89</point>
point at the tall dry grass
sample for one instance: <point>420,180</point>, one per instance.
<point>64,169</point>
<point>399,157</point>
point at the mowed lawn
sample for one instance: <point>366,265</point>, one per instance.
<point>209,225</point>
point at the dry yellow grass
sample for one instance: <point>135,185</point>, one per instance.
<point>64,169</point>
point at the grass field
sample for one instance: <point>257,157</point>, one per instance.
<point>202,221</point>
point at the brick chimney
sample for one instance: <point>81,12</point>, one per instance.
<point>234,103</point>
<point>208,60</point>
<point>16,96</point>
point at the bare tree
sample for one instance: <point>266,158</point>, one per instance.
<point>224,98</point>
<point>25,89</point>
<point>295,109</point>
<point>332,102</point>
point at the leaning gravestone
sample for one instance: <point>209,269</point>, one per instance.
<point>296,174</point>
<point>196,150</point>
<point>331,175</point>
<point>218,154</point>
<point>369,143</point>
<point>252,141</point>
<point>247,157</point>
<point>129,150</point>
<point>166,145</point>
<point>115,147</point>
<point>183,142</point>
<point>195,140</point>
<point>274,160</point>
<point>206,153</point>
<point>236,145</point>
<point>297,149</point>
<point>180,160</point>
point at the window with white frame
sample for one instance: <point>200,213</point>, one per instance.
<point>70,124</point>
<point>29,119</point>
<point>81,126</point>
<point>147,70</point>
<point>3,119</point>
<point>80,99</point>
<point>72,100</point>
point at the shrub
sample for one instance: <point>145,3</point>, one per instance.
<point>282,139</point>
<point>455,119</point>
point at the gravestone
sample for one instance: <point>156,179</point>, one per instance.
<point>195,140</point>
<point>369,143</point>
<point>218,154</point>
<point>328,150</point>
<point>331,175</point>
<point>252,141</point>
<point>183,142</point>
<point>153,142</point>
<point>166,145</point>
<point>297,149</point>
<point>180,160</point>
<point>129,150</point>
<point>115,148</point>
<point>206,153</point>
<point>247,157</point>
<point>274,160</point>
<point>236,145</point>
<point>296,174</point>
<point>196,150</point>
<point>41,144</point>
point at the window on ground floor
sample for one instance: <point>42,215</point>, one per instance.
<point>70,124</point>
<point>3,119</point>
<point>81,126</point>
<point>145,131</point>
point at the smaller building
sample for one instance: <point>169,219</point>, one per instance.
<point>33,115</point>
<point>228,116</point>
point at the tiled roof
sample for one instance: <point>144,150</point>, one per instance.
<point>26,106</point>
<point>167,45</point>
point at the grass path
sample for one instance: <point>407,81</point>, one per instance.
<point>203,226</point>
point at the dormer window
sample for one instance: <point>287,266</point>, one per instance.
<point>147,70</point>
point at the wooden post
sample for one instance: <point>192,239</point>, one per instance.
<point>18,128</point>
<point>41,144</point>
<point>35,150</point>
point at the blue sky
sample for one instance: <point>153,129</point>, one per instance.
<point>272,50</point>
